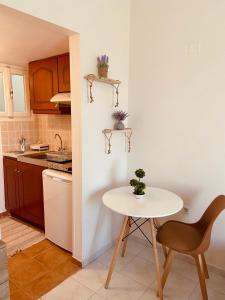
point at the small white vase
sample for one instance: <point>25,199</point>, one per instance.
<point>139,197</point>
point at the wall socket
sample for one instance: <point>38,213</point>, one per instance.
<point>186,210</point>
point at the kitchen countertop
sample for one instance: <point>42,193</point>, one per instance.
<point>16,155</point>
<point>64,167</point>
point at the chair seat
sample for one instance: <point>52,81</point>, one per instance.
<point>179,236</point>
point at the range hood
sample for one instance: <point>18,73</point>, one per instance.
<point>63,99</point>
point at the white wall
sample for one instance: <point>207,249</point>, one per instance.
<point>177,102</point>
<point>104,28</point>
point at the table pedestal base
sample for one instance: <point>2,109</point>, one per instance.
<point>124,233</point>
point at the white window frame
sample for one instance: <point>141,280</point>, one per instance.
<point>8,70</point>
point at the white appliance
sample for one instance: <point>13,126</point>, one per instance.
<point>57,188</point>
<point>39,147</point>
<point>62,99</point>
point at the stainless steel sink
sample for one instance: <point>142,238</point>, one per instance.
<point>59,156</point>
<point>55,156</point>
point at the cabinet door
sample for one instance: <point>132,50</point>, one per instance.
<point>10,182</point>
<point>43,78</point>
<point>31,193</point>
<point>64,72</point>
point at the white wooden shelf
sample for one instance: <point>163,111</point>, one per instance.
<point>108,135</point>
<point>113,82</point>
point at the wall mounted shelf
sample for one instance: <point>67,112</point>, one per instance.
<point>108,135</point>
<point>114,83</point>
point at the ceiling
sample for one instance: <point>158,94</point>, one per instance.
<point>24,38</point>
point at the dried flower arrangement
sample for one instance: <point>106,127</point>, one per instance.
<point>120,115</point>
<point>103,61</point>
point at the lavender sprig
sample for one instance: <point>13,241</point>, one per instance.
<point>103,61</point>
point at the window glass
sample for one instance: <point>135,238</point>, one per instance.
<point>18,93</point>
<point>2,96</point>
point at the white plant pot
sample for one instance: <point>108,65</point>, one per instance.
<point>139,197</point>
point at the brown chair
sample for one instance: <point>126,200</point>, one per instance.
<point>191,239</point>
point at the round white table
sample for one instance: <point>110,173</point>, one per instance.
<point>157,203</point>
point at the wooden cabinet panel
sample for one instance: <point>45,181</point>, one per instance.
<point>64,73</point>
<point>10,183</point>
<point>24,191</point>
<point>48,77</point>
<point>31,193</point>
<point>43,77</point>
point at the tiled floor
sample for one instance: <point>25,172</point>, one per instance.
<point>38,269</point>
<point>134,278</point>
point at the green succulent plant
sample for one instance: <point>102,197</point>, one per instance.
<point>138,185</point>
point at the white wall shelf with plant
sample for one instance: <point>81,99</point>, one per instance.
<point>91,78</point>
<point>108,135</point>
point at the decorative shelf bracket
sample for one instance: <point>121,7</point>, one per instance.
<point>114,83</point>
<point>108,135</point>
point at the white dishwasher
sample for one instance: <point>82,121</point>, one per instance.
<point>57,188</point>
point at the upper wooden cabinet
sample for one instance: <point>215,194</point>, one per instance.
<point>64,73</point>
<point>48,77</point>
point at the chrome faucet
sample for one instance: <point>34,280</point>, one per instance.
<point>60,139</point>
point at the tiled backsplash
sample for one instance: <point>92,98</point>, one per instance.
<point>49,125</point>
<point>42,128</point>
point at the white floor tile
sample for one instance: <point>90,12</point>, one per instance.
<point>92,276</point>
<point>147,253</point>
<point>122,288</point>
<point>141,270</point>
<point>212,295</point>
<point>120,262</point>
<point>179,287</point>
<point>69,290</point>
<point>134,247</point>
<point>216,282</point>
<point>150,294</point>
<point>96,296</point>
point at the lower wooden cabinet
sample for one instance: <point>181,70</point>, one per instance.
<point>24,191</point>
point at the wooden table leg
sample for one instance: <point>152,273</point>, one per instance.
<point>125,241</point>
<point>116,251</point>
<point>163,247</point>
<point>156,257</point>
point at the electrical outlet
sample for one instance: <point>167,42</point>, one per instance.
<point>186,210</point>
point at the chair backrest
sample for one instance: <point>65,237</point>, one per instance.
<point>207,220</point>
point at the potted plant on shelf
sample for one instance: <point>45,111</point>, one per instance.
<point>138,185</point>
<point>119,116</point>
<point>103,66</point>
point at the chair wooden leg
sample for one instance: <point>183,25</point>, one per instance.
<point>127,230</point>
<point>167,266</point>
<point>205,266</point>
<point>201,275</point>
<point>116,250</point>
<point>156,257</point>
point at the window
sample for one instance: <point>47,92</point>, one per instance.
<point>13,92</point>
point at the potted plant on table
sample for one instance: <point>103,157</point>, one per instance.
<point>119,116</point>
<point>138,185</point>
<point>103,66</point>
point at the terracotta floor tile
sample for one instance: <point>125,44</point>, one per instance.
<point>38,248</point>
<point>43,284</point>
<point>19,295</point>
<point>53,257</point>
<point>67,268</point>
<point>27,272</point>
<point>17,260</point>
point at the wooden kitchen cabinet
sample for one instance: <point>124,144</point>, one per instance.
<point>10,181</point>
<point>48,77</point>
<point>23,182</point>
<point>64,73</point>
